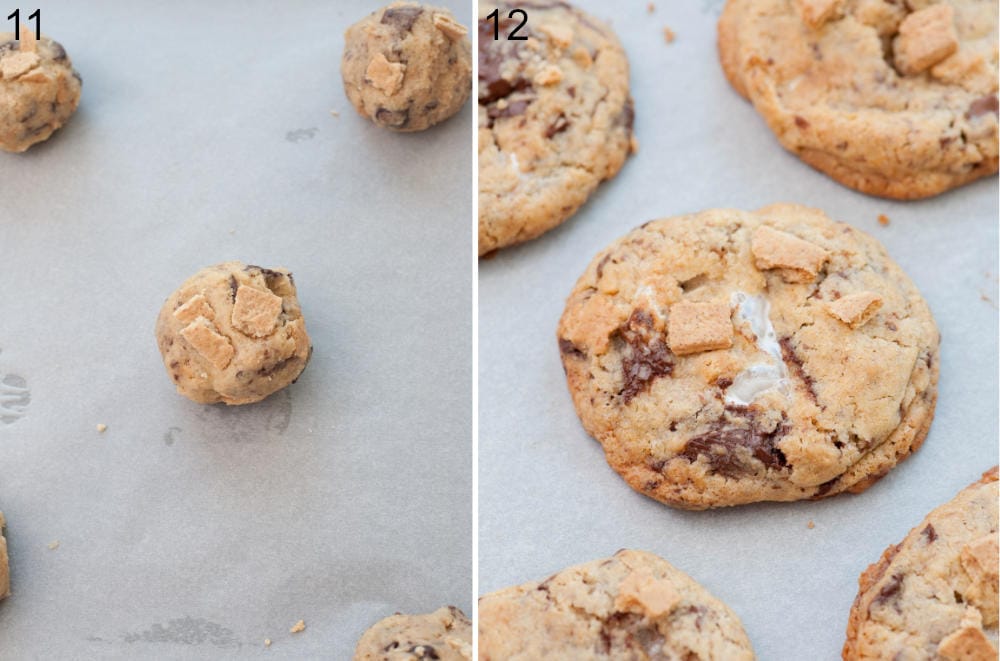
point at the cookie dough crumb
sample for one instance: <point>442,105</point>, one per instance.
<point>651,8</point>
<point>883,220</point>
<point>267,642</point>
<point>102,427</point>
<point>668,35</point>
<point>298,626</point>
<point>54,545</point>
<point>810,525</point>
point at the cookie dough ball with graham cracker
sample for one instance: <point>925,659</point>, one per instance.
<point>445,634</point>
<point>233,333</point>
<point>407,67</point>
<point>39,90</point>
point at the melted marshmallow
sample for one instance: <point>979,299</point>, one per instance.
<point>760,377</point>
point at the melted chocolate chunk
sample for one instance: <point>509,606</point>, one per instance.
<point>983,105</point>
<point>628,114</point>
<point>492,56</point>
<point>233,286</point>
<point>59,53</point>
<point>557,127</point>
<point>719,444</point>
<point>394,118</point>
<point>423,652</point>
<point>793,360</point>
<point>628,631</point>
<point>512,109</point>
<point>646,357</point>
<point>567,348</point>
<point>402,18</point>
<point>8,46</point>
<point>929,533</point>
<point>890,591</point>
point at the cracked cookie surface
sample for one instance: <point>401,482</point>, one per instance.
<point>934,595</point>
<point>728,357</point>
<point>555,118</point>
<point>634,606</point>
<point>445,634</point>
<point>407,67</point>
<point>897,99</point>
<point>233,333</point>
<point>39,90</point>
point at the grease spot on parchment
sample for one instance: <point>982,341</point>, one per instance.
<point>14,397</point>
<point>241,424</point>
<point>185,631</point>
<point>171,435</point>
<point>299,135</point>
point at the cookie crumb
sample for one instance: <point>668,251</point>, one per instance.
<point>298,626</point>
<point>883,220</point>
<point>102,427</point>
<point>669,35</point>
<point>810,525</point>
<point>335,113</point>
<point>54,545</point>
<point>650,8</point>
<point>267,642</point>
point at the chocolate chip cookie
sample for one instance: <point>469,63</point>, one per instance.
<point>39,90</point>
<point>233,333</point>
<point>634,605</point>
<point>4,567</point>
<point>445,634</point>
<point>407,67</point>
<point>555,117</point>
<point>934,595</point>
<point>897,99</point>
<point>728,357</point>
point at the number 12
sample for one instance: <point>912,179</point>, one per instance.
<point>495,17</point>
<point>37,15</point>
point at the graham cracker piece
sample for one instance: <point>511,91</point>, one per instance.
<point>652,596</point>
<point>207,341</point>
<point>255,312</point>
<point>549,75</point>
<point>855,309</point>
<point>196,306</point>
<point>451,28</point>
<point>385,75</point>
<point>797,259</point>
<point>925,38</point>
<point>979,559</point>
<point>815,13</point>
<point>560,35</point>
<point>968,642</point>
<point>18,63</point>
<point>697,327</point>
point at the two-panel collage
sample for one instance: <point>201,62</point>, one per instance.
<point>375,330</point>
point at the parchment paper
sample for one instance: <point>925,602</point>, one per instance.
<point>547,497</point>
<point>195,532</point>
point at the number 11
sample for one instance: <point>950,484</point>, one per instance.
<point>37,15</point>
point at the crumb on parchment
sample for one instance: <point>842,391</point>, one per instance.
<point>267,642</point>
<point>102,428</point>
<point>298,626</point>
<point>54,545</point>
<point>651,8</point>
<point>883,220</point>
<point>669,35</point>
<point>810,525</point>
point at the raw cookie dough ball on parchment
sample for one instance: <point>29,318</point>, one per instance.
<point>445,634</point>
<point>233,333</point>
<point>407,67</point>
<point>39,90</point>
<point>634,606</point>
<point>727,357</point>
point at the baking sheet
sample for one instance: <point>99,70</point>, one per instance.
<point>547,497</point>
<point>196,532</point>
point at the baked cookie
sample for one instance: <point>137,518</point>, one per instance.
<point>632,606</point>
<point>555,118</point>
<point>934,595</point>
<point>39,90</point>
<point>728,357</point>
<point>897,99</point>
<point>233,333</point>
<point>4,566</point>
<point>445,634</point>
<point>407,67</point>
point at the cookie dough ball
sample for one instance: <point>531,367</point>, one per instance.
<point>233,333</point>
<point>445,634</point>
<point>39,90</point>
<point>407,67</point>
<point>4,569</point>
<point>634,605</point>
